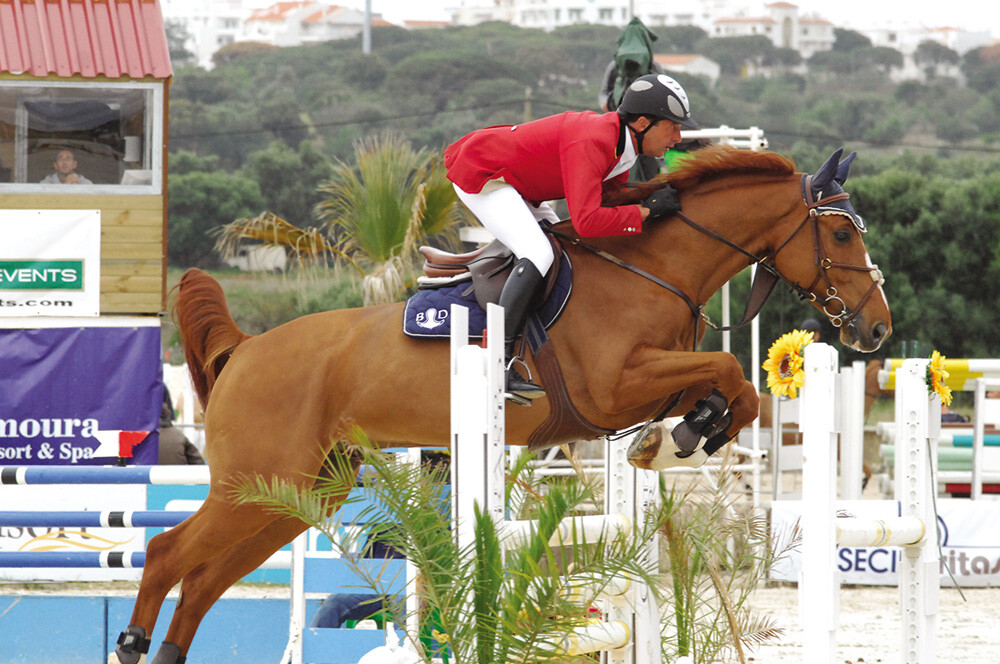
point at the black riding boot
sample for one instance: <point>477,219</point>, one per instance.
<point>516,299</point>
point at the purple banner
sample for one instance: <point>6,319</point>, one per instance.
<point>59,386</point>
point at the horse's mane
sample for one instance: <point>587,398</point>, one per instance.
<point>709,163</point>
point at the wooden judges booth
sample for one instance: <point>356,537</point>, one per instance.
<point>91,76</point>
<point>83,149</point>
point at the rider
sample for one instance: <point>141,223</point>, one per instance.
<point>504,174</point>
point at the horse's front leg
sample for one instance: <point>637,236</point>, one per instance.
<point>717,402</point>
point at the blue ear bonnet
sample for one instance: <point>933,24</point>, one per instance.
<point>827,182</point>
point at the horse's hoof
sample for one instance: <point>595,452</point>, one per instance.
<point>643,451</point>
<point>658,450</point>
<point>113,659</point>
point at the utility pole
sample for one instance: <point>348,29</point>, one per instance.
<point>366,30</point>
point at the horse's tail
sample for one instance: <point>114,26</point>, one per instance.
<point>208,332</point>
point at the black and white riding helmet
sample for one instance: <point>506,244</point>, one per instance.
<point>658,96</point>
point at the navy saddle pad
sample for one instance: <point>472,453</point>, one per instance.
<point>426,313</point>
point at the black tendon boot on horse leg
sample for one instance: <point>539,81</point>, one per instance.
<point>169,653</point>
<point>132,645</point>
<point>515,299</point>
<point>696,437</point>
<point>706,421</point>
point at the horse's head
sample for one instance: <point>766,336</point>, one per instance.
<point>826,259</point>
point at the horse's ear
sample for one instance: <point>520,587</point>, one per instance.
<point>844,168</point>
<point>827,171</point>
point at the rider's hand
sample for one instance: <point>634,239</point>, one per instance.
<point>662,203</point>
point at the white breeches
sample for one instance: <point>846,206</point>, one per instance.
<point>513,221</point>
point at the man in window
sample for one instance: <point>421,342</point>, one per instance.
<point>65,173</point>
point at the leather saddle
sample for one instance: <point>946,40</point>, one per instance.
<point>487,268</point>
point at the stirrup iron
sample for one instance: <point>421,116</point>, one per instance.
<point>518,389</point>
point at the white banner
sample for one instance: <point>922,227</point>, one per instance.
<point>73,497</point>
<point>50,263</point>
<point>970,543</point>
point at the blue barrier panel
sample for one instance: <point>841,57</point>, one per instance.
<point>336,575</point>
<point>53,630</point>
<point>235,630</point>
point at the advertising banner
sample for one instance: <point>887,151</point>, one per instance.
<point>76,497</point>
<point>970,545</point>
<point>60,386</point>
<point>50,263</point>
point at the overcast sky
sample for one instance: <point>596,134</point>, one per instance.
<point>971,15</point>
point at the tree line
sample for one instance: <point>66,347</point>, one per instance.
<point>267,127</point>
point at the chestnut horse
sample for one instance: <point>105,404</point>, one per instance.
<point>279,403</point>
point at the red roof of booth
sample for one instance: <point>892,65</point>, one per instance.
<point>90,38</point>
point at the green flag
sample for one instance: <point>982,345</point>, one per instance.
<point>634,58</point>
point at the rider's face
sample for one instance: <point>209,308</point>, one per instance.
<point>662,136</point>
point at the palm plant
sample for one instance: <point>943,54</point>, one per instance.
<point>308,246</point>
<point>382,206</point>
<point>487,605</point>
<point>376,213</point>
<point>718,551</point>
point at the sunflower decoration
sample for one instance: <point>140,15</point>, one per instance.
<point>937,377</point>
<point>784,363</point>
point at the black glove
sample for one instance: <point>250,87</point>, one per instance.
<point>662,203</point>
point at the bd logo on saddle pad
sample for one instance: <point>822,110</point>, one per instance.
<point>431,318</point>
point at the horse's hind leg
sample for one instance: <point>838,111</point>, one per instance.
<point>204,585</point>
<point>173,554</point>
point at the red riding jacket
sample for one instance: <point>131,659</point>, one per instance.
<point>561,156</point>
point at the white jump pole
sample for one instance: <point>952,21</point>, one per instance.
<point>914,531</point>
<point>918,423</point>
<point>819,581</point>
<point>477,422</point>
<point>852,429</point>
<point>631,634</point>
<point>635,493</point>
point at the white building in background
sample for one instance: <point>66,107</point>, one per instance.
<point>696,65</point>
<point>781,23</point>
<point>210,24</point>
<point>213,24</point>
<point>304,22</point>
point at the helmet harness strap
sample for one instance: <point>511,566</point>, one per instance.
<point>639,135</point>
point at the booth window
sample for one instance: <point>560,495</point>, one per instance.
<point>109,130</point>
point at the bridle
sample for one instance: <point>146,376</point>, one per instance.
<point>845,314</point>
<point>823,263</point>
